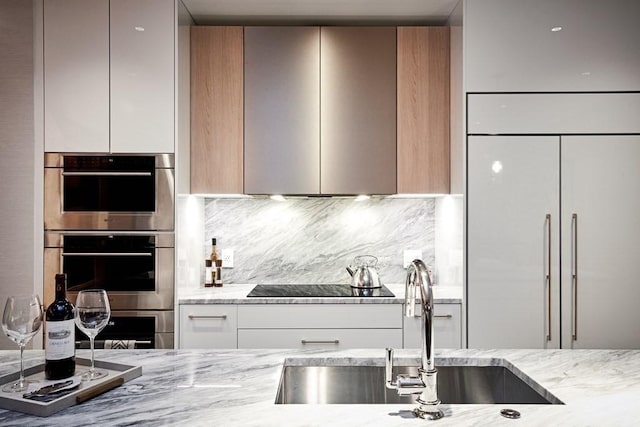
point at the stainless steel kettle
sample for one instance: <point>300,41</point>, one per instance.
<point>363,272</point>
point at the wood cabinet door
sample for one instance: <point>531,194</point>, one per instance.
<point>217,110</point>
<point>423,110</point>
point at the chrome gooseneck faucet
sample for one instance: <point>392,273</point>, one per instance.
<point>425,383</point>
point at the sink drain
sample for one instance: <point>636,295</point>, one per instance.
<point>510,413</point>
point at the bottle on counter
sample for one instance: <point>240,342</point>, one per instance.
<point>208,273</point>
<point>60,350</point>
<point>218,274</point>
<point>214,252</point>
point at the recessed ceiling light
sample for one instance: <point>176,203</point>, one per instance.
<point>139,28</point>
<point>556,29</point>
<point>586,73</point>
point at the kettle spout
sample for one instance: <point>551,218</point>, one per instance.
<point>351,272</point>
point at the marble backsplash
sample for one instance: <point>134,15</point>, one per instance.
<point>311,240</point>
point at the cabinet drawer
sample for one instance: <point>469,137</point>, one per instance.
<point>337,339</point>
<point>208,326</point>
<point>320,316</point>
<point>447,327</point>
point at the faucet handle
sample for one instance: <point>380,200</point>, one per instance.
<point>388,368</point>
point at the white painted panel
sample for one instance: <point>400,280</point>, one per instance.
<point>208,326</point>
<point>509,45</point>
<point>320,316</point>
<point>554,113</point>
<point>601,184</point>
<point>513,185</point>
<point>142,76</point>
<point>447,328</point>
<point>76,75</point>
<point>337,339</point>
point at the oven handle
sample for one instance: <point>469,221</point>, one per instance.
<point>106,173</point>
<point>106,254</point>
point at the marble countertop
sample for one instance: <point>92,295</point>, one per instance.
<point>237,294</point>
<point>238,388</point>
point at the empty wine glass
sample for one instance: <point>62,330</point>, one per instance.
<point>92,315</point>
<point>21,320</point>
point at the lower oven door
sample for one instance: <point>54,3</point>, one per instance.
<point>133,330</point>
<point>136,269</point>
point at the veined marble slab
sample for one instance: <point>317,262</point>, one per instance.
<point>238,388</point>
<point>237,294</point>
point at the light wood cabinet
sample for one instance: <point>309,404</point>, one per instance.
<point>423,110</point>
<point>208,326</point>
<point>109,76</point>
<point>217,110</point>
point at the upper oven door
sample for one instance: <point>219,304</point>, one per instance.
<point>109,192</point>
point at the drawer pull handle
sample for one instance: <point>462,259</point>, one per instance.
<point>192,317</point>
<point>440,316</point>
<point>320,341</point>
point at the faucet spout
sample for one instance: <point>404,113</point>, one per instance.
<point>425,384</point>
<point>418,277</point>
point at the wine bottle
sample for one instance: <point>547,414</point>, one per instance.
<point>60,351</point>
<point>214,252</point>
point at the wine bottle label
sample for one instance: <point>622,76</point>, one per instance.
<point>60,340</point>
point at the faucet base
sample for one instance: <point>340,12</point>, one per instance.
<point>428,415</point>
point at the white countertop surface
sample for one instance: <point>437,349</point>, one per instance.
<point>238,388</point>
<point>237,294</point>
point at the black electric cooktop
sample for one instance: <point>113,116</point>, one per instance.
<point>302,291</point>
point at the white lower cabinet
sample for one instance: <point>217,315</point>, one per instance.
<point>326,326</point>
<point>334,326</point>
<point>337,339</point>
<point>447,325</point>
<point>208,326</point>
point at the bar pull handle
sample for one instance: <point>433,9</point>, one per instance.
<point>106,254</point>
<point>438,316</point>
<point>193,316</point>
<point>547,275</point>
<point>574,274</point>
<point>106,173</point>
<point>320,341</point>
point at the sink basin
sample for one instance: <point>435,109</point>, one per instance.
<point>365,385</point>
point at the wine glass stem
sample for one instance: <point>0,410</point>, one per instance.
<point>21,365</point>
<point>92,370</point>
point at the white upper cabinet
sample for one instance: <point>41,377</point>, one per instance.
<point>76,75</point>
<point>551,45</point>
<point>142,76</point>
<point>109,76</point>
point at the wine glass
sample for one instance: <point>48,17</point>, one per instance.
<point>21,320</point>
<point>92,315</point>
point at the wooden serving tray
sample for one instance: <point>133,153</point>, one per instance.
<point>118,375</point>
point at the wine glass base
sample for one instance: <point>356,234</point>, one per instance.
<point>16,387</point>
<point>93,375</point>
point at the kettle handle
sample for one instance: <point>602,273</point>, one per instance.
<point>362,258</point>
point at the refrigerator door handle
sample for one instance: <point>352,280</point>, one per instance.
<point>574,274</point>
<point>548,275</point>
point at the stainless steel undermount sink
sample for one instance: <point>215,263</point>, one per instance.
<point>468,384</point>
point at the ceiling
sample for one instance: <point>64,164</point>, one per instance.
<point>301,12</point>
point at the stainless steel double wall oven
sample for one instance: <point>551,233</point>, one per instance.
<point>109,223</point>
